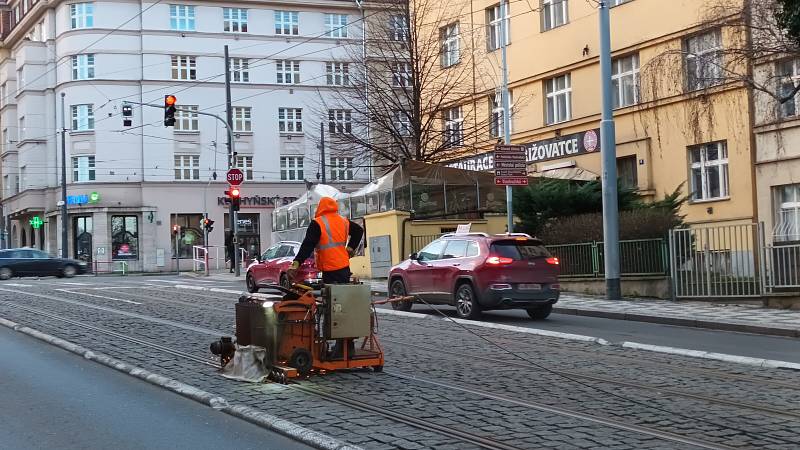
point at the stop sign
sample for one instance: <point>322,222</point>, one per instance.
<point>235,177</point>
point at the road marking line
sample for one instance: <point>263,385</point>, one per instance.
<point>203,288</point>
<point>17,285</point>
<point>98,296</point>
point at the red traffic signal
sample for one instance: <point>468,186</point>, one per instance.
<point>235,192</point>
<point>170,100</point>
<point>169,110</point>
<point>234,196</point>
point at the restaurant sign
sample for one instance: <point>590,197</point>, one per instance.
<point>545,150</point>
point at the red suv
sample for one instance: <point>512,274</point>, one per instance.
<point>476,272</point>
<point>271,267</point>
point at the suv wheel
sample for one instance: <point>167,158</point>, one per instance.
<point>251,283</point>
<point>6,273</point>
<point>540,313</point>
<point>466,302</point>
<point>398,289</point>
<point>69,271</point>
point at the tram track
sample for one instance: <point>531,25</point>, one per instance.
<point>462,436</point>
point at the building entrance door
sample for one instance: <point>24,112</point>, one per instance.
<point>82,228</point>
<point>249,233</point>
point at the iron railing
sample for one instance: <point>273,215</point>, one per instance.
<point>419,242</point>
<point>783,262</point>
<point>638,257</point>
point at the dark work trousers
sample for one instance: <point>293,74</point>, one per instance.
<point>341,276</point>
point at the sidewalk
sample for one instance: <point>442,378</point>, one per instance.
<point>715,316</point>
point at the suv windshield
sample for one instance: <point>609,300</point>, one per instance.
<point>520,250</point>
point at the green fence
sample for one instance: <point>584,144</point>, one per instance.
<point>636,257</point>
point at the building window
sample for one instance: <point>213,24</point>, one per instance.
<point>181,17</point>
<point>234,20</point>
<point>703,60</point>
<point>186,118</point>
<point>554,14</point>
<point>709,168</point>
<point>627,172</point>
<point>124,237</point>
<point>245,163</point>
<point>625,80</point>
<point>20,79</point>
<point>788,75</point>
<point>402,123</point>
<point>21,129</point>
<point>82,168</point>
<point>82,118</point>
<point>287,22</point>
<point>341,169</point>
<point>338,74</point>
<point>187,167</point>
<point>184,68</point>
<point>454,127</point>
<point>340,121</point>
<point>495,40</point>
<point>401,74</point>
<point>81,15</point>
<point>83,67</point>
<point>336,25</point>
<point>558,92</point>
<point>240,70</point>
<point>290,120</point>
<point>787,224</point>
<point>288,72</point>
<point>450,44</point>
<point>497,126</point>
<point>242,119</point>
<point>398,28</point>
<point>191,234</point>
<point>292,168</point>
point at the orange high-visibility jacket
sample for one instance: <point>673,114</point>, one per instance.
<point>331,251</point>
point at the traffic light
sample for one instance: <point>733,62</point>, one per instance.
<point>169,110</point>
<point>208,224</point>
<point>233,195</point>
<point>127,115</point>
<point>176,229</point>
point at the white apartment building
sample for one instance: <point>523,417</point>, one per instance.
<point>128,185</point>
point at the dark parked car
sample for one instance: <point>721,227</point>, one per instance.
<point>29,262</point>
<point>477,272</point>
<point>271,267</point>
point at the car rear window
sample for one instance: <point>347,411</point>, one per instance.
<point>520,250</point>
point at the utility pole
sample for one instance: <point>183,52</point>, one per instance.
<point>322,150</point>
<point>608,151</point>
<point>234,222</point>
<point>506,105</point>
<point>360,5</point>
<point>64,220</point>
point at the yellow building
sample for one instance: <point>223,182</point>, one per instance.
<point>679,120</point>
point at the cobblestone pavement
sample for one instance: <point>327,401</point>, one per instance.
<point>523,390</point>
<point>717,315</point>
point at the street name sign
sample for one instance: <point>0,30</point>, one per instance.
<point>511,168</point>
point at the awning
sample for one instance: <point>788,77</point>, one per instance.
<point>567,173</point>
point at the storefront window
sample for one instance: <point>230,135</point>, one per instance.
<point>124,237</point>
<point>191,234</point>
<point>82,238</point>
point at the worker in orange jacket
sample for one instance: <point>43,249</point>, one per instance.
<point>334,239</point>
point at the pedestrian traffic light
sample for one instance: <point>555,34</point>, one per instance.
<point>208,224</point>
<point>169,110</point>
<point>127,115</point>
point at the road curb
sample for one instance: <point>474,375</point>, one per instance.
<point>262,419</point>
<point>759,362</point>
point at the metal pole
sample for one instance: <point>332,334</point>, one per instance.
<point>178,249</point>
<point>609,156</point>
<point>322,150</point>
<point>64,236</point>
<point>231,162</point>
<point>506,106</point>
<point>205,239</point>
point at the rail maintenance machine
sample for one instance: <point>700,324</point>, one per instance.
<point>299,331</point>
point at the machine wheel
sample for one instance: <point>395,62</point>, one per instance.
<point>466,302</point>
<point>540,313</point>
<point>6,273</point>
<point>69,271</point>
<point>398,289</point>
<point>251,283</point>
<point>301,360</point>
<point>285,282</point>
<point>377,368</point>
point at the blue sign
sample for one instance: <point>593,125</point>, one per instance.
<point>77,199</point>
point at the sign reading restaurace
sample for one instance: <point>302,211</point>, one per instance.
<point>545,150</point>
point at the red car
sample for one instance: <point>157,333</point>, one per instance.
<point>477,272</point>
<point>270,268</point>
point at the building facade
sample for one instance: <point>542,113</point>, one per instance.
<point>73,65</point>
<point>680,122</point>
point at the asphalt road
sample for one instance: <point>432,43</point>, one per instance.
<point>52,399</point>
<point>741,344</point>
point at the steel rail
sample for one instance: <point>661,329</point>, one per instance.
<point>762,408</point>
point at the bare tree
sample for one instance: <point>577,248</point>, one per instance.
<point>414,93</point>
